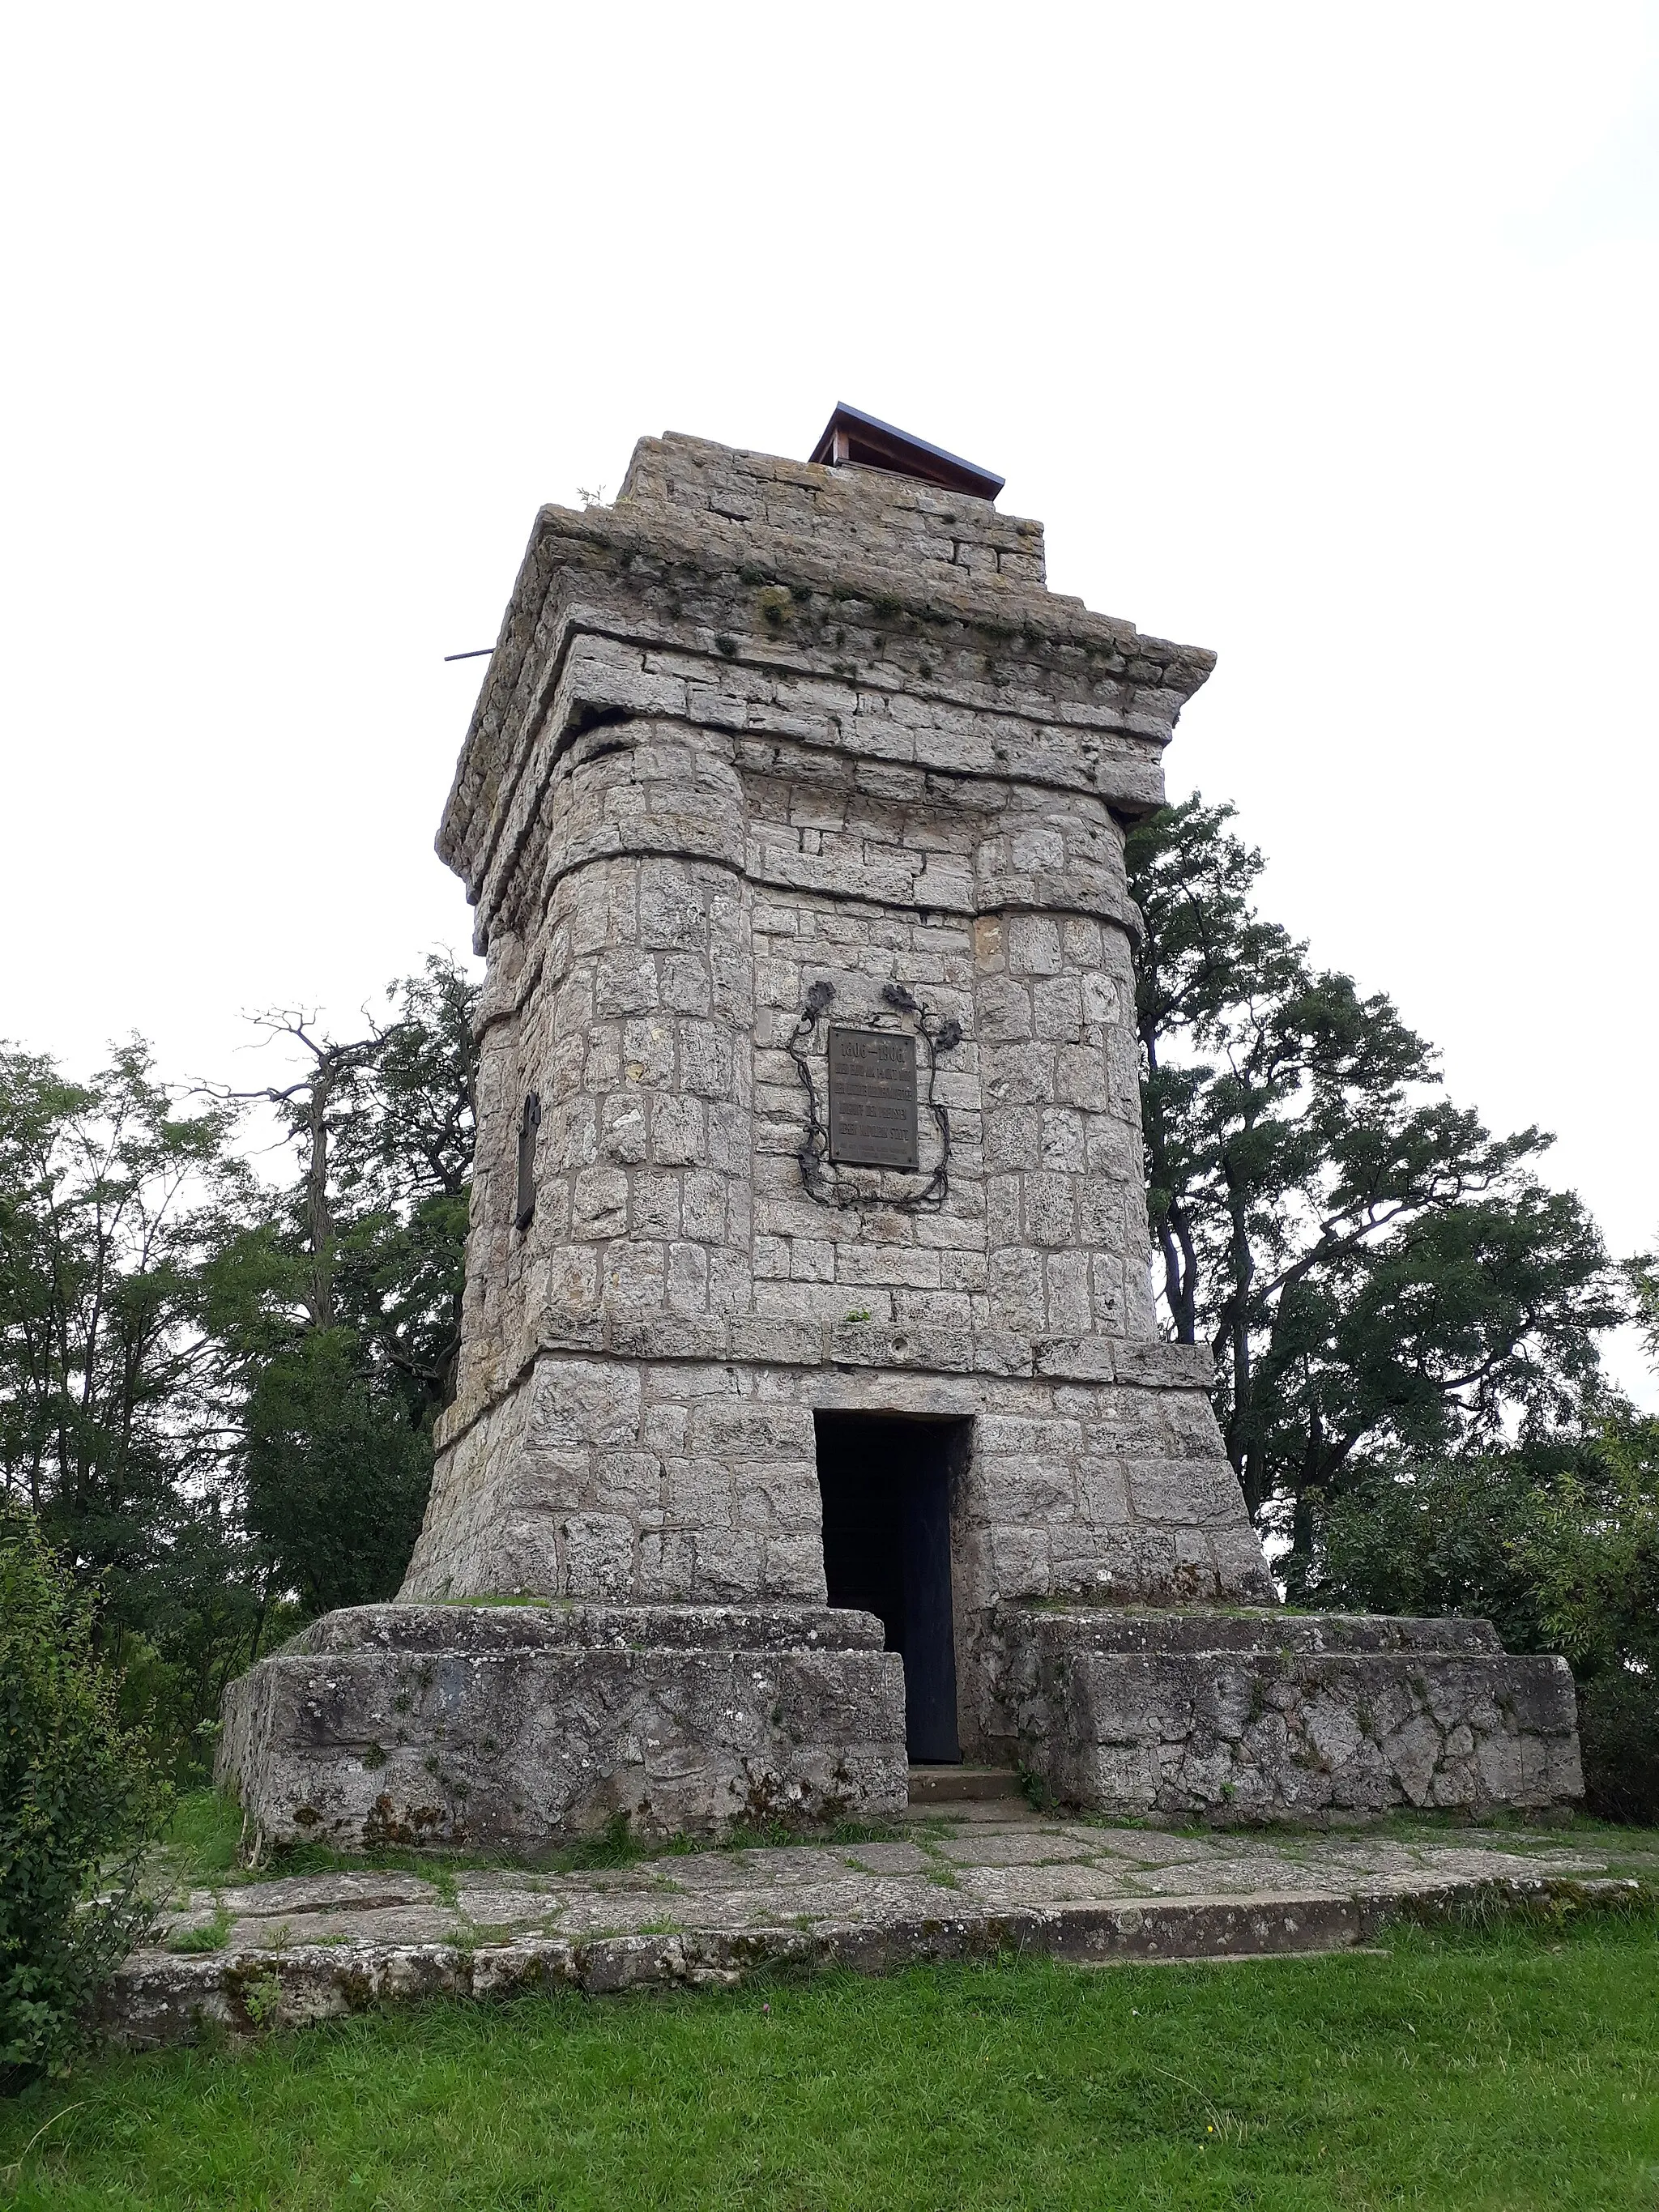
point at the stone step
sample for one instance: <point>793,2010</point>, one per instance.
<point>954,1785</point>
<point>160,1997</point>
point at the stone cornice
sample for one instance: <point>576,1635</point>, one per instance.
<point>600,677</point>
<point>636,566</point>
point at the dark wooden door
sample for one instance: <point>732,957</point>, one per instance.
<point>929,1647</point>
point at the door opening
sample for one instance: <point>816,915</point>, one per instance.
<point>885,1482</point>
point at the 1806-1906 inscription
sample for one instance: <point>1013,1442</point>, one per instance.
<point>872,1098</point>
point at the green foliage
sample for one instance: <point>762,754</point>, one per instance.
<point>112,1394</point>
<point>1593,1550</point>
<point>78,1801</point>
<point>1371,1267</point>
<point>1435,1537</point>
<point>1556,1541</point>
<point>1619,1735</point>
<point>213,1934</point>
<point>613,1847</point>
<point>119,1402</point>
<point>261,1998</point>
<point>337,1476</point>
<point>404,1163</point>
<point>218,1397</point>
<point>1519,2070</point>
<point>344,1306</point>
<point>1641,1275</point>
<point>201,1839</point>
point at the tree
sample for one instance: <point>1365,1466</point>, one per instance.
<point>338,1475</point>
<point>1593,1549</point>
<point>119,1408</point>
<point>345,1307</point>
<point>218,1397</point>
<point>406,1167</point>
<point>1641,1275</point>
<point>1370,1266</point>
<point>1434,1537</point>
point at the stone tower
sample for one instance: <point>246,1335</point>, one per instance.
<point>810,1369</point>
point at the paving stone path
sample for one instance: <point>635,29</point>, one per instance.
<point>961,1880</point>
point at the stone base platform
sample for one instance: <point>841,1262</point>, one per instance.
<point>1278,1716</point>
<point>992,1881</point>
<point>512,1727</point>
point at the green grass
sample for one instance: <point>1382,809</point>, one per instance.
<point>212,1935</point>
<point>200,1846</point>
<point>1502,2071</point>
<point>202,1838</point>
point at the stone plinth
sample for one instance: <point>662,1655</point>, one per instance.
<point>512,1727</point>
<point>1283,1715</point>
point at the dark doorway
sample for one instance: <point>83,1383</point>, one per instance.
<point>886,1488</point>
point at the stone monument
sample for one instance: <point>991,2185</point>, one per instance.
<point>812,1420</point>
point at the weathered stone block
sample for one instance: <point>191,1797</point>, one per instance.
<point>515,1728</point>
<point>1280,1716</point>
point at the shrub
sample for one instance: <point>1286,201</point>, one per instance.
<point>1556,1541</point>
<point>78,1802</point>
<point>1437,1537</point>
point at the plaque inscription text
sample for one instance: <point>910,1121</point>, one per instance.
<point>872,1098</point>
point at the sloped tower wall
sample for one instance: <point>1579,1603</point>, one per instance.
<point>760,729</point>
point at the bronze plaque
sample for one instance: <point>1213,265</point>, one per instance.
<point>872,1098</point>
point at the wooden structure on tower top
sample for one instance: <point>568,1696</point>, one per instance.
<point>851,436</point>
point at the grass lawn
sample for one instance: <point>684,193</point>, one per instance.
<point>1511,2069</point>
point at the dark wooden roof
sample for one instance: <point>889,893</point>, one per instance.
<point>850,434</point>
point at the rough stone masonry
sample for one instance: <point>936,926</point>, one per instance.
<point>770,755</point>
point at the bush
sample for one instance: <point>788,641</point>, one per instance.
<point>1557,1542</point>
<point>1618,1735</point>
<point>1437,1537</point>
<point>78,1802</point>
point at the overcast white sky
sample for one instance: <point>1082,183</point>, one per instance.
<point>1323,335</point>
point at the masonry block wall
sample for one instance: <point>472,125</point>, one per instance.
<point>764,746</point>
